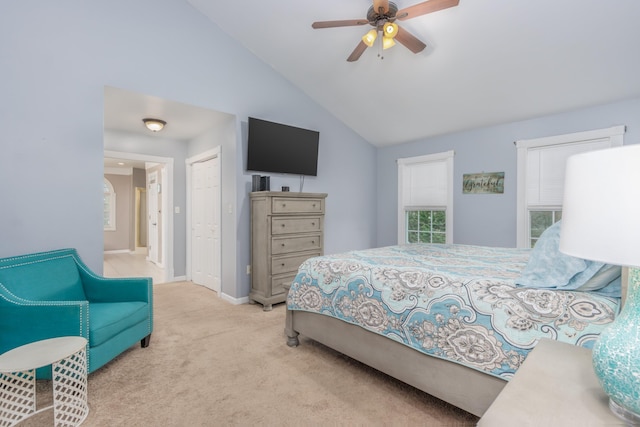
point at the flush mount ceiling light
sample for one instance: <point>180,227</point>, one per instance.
<point>154,125</point>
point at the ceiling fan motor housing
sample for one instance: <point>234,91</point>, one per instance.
<point>377,19</point>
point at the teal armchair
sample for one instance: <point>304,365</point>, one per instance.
<point>51,294</point>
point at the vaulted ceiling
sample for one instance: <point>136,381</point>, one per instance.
<point>486,61</point>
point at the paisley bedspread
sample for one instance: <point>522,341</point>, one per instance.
<point>456,302</point>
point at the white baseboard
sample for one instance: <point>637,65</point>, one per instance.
<point>119,251</point>
<point>233,300</point>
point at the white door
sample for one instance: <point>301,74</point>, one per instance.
<point>205,220</point>
<point>152,193</point>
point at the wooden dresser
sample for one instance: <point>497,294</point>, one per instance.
<point>286,229</point>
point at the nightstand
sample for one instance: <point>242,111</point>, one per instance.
<point>555,386</point>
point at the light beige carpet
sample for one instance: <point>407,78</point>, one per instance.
<point>211,363</point>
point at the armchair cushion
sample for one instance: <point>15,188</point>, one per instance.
<point>108,319</point>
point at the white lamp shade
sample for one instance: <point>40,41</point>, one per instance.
<point>601,208</point>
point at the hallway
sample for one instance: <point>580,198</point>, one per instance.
<point>132,265</point>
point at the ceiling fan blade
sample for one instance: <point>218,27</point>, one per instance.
<point>357,52</point>
<point>381,4</point>
<point>409,41</point>
<point>344,23</point>
<point>424,8</point>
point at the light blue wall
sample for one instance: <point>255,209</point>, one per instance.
<point>57,57</point>
<point>490,219</point>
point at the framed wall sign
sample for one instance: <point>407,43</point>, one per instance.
<point>483,183</point>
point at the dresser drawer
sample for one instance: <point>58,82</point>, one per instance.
<point>285,245</point>
<point>289,264</point>
<point>286,225</point>
<point>291,205</point>
<point>278,283</point>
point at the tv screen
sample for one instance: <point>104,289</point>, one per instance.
<point>278,148</point>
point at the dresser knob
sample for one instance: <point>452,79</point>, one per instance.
<point>282,225</point>
<point>282,264</point>
<point>283,245</point>
<point>313,223</point>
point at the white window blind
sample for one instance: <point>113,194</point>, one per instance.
<point>425,184</point>
<point>546,167</point>
<point>541,170</point>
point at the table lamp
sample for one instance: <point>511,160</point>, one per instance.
<point>601,222</point>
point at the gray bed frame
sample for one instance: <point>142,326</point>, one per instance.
<point>466,388</point>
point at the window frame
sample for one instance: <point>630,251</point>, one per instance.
<point>606,138</point>
<point>403,206</point>
<point>111,196</point>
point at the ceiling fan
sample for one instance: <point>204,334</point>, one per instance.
<point>382,16</point>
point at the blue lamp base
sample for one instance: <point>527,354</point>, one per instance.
<point>616,356</point>
<point>629,417</point>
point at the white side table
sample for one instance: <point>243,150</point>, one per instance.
<point>68,358</point>
<point>555,386</point>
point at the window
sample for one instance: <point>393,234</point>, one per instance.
<point>540,220</point>
<point>426,226</point>
<point>109,206</point>
<point>541,170</point>
<point>425,199</point>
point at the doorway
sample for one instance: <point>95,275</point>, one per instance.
<point>159,244</point>
<point>190,130</point>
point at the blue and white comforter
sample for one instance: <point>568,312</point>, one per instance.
<point>456,302</point>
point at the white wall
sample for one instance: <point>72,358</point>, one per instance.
<point>57,57</point>
<point>490,219</point>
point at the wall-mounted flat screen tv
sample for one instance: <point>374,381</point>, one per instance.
<point>278,148</point>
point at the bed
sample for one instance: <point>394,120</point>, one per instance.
<point>454,321</point>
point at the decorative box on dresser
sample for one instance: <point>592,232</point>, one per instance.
<point>286,229</point>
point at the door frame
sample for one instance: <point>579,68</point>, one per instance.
<point>154,232</point>
<point>204,156</point>
<point>167,203</point>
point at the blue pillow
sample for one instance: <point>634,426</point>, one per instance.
<point>550,268</point>
<point>606,281</point>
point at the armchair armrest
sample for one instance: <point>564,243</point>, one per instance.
<point>103,289</point>
<point>30,321</point>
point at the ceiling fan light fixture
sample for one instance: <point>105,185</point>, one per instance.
<point>390,29</point>
<point>154,125</point>
<point>370,37</point>
<point>388,42</point>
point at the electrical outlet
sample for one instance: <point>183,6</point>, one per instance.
<point>248,269</point>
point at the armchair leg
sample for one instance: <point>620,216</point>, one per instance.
<point>144,342</point>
